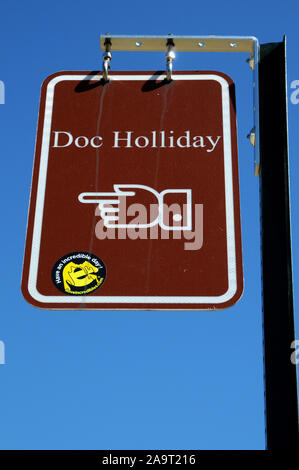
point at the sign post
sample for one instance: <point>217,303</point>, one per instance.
<point>280,373</point>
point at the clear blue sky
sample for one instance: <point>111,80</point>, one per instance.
<point>142,379</point>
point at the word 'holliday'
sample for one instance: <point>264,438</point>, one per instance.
<point>127,139</point>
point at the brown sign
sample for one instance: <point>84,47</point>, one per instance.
<point>135,197</point>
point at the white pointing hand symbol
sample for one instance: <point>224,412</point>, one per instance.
<point>108,203</point>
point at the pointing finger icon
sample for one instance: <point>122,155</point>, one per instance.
<point>109,206</point>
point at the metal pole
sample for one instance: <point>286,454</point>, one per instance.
<point>278,316</point>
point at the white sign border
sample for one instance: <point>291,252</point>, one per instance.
<point>229,204</point>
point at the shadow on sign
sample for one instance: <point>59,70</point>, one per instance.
<point>86,85</point>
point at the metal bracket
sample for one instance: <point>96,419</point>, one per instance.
<point>107,56</point>
<point>170,56</point>
<point>196,44</point>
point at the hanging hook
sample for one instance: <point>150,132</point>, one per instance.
<point>107,56</point>
<point>170,56</point>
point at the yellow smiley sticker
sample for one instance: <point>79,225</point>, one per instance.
<point>79,273</point>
